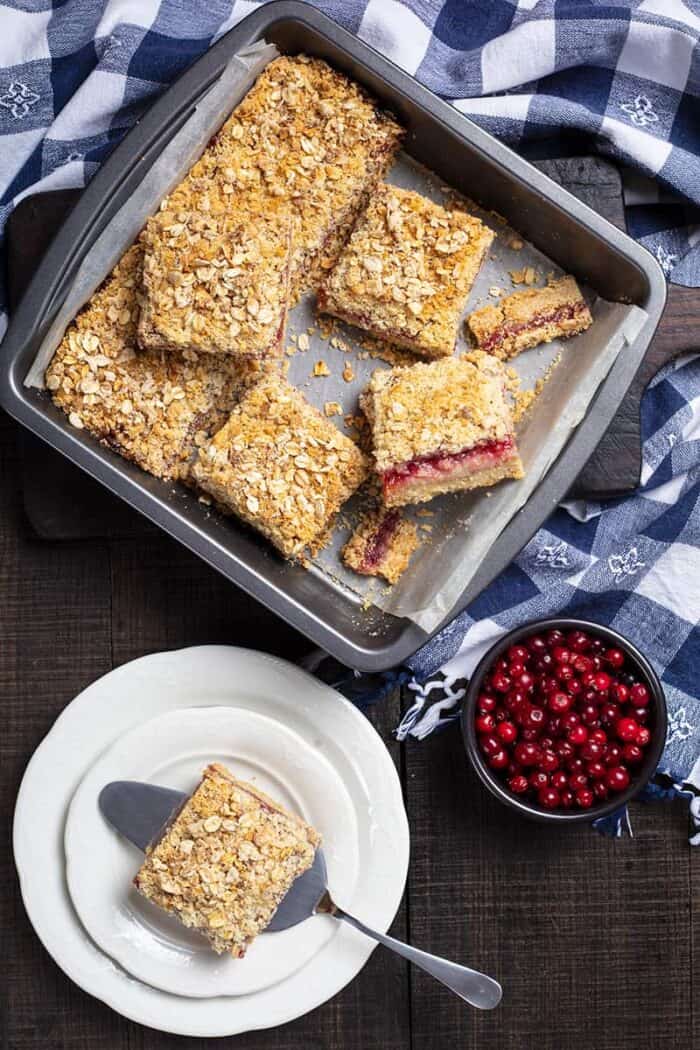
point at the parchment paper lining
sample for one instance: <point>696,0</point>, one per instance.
<point>462,527</point>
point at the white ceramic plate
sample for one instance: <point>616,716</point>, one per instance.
<point>204,677</point>
<point>171,750</point>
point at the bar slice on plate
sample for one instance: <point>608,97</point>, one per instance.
<point>441,427</point>
<point>150,407</point>
<point>226,861</point>
<point>407,271</point>
<point>381,545</point>
<point>214,284</point>
<point>526,319</point>
<point>281,466</point>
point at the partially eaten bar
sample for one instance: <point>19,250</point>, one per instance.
<point>381,545</point>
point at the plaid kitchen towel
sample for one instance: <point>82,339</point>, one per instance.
<point>624,77</point>
<point>76,74</point>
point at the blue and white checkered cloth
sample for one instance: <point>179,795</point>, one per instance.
<point>621,79</point>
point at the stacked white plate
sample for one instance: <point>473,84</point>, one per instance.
<point>161,719</point>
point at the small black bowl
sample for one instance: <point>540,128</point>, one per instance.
<point>657,723</point>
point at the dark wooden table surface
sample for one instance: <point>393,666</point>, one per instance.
<point>596,942</point>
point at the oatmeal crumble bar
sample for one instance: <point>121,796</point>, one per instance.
<point>213,283</point>
<point>525,319</point>
<point>381,545</point>
<point>304,141</point>
<point>150,407</point>
<point>407,271</point>
<point>281,466</point>
<point>226,861</point>
<point>441,427</point>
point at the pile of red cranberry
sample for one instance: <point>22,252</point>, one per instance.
<point>564,719</point>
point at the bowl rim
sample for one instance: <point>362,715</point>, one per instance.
<point>491,781</point>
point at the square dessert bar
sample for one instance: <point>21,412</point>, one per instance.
<point>441,427</point>
<point>381,545</point>
<point>214,284</point>
<point>152,408</point>
<point>281,466</point>
<point>304,141</point>
<point>407,271</point>
<point>525,319</point>
<point>226,861</point>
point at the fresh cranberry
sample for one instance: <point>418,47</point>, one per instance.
<point>620,692</point>
<point>549,762</point>
<point>559,702</point>
<point>632,753</point>
<point>518,784</point>
<point>538,780</point>
<point>618,778</point>
<point>518,654</point>
<point>626,729</point>
<point>578,781</point>
<point>639,694</point>
<point>490,744</point>
<point>640,714</point>
<point>507,732</point>
<point>592,751</point>
<point>499,759</point>
<point>602,681</point>
<point>590,696</point>
<point>575,765</point>
<point>544,663</point>
<point>537,644</point>
<point>589,715</point>
<point>548,797</point>
<point>570,720</point>
<point>485,723</point>
<point>643,736</point>
<point>527,754</point>
<point>486,703</point>
<point>546,743</point>
<point>600,736</point>
<point>525,681</point>
<point>587,678</point>
<point>578,641</point>
<point>565,673</point>
<point>609,714</point>
<point>515,669</point>
<point>500,682</point>
<point>559,779</point>
<point>613,754</point>
<point>536,717</point>
<point>554,637</point>
<point>515,699</point>
<point>578,735</point>
<point>584,797</point>
<point>566,799</point>
<point>600,790</point>
<point>501,665</point>
<point>574,687</point>
<point>561,654</point>
<point>596,770</point>
<point>581,664</point>
<point>615,657</point>
<point>564,750</point>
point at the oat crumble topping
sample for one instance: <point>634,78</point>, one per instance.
<point>407,271</point>
<point>281,466</point>
<point>227,860</point>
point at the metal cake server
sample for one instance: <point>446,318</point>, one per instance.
<point>139,812</point>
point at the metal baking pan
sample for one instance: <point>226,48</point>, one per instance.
<point>459,153</point>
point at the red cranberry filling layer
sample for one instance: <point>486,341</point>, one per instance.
<point>378,544</point>
<point>437,465</point>
<point>564,719</point>
<point>562,313</point>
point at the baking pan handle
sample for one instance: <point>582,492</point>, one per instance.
<point>362,688</point>
<point>130,176</point>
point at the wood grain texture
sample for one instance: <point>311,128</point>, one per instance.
<point>590,937</point>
